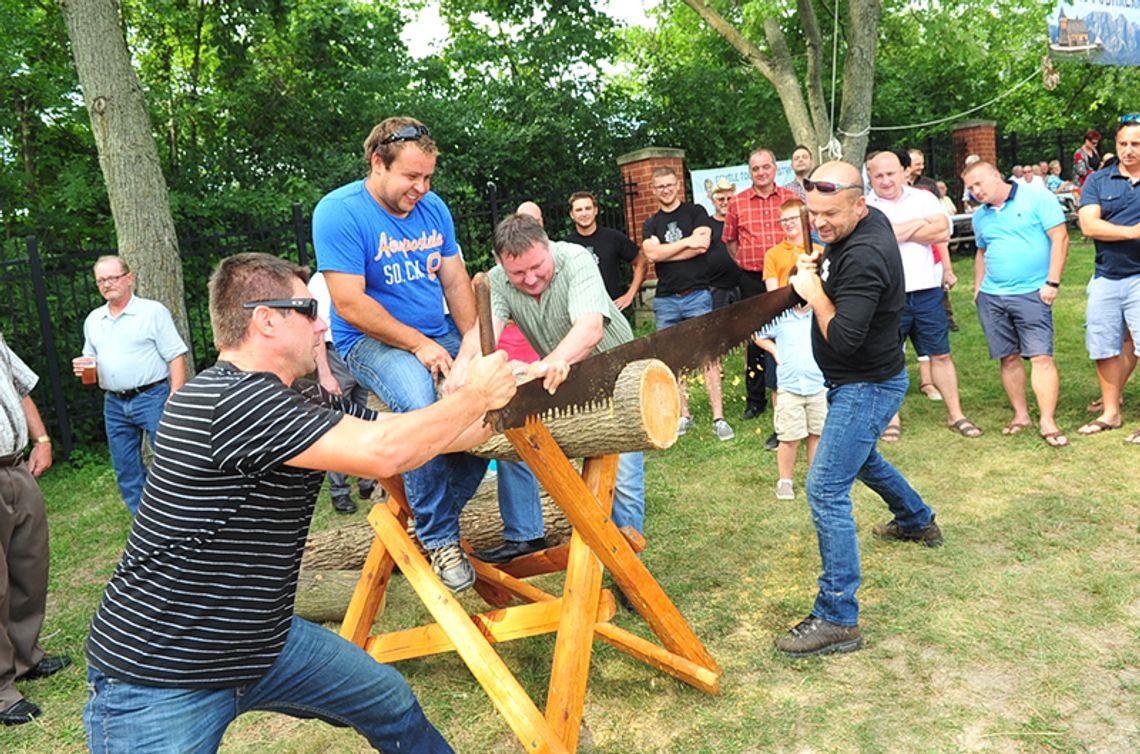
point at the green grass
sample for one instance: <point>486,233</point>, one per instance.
<point>1022,634</point>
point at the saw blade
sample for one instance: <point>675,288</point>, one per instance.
<point>685,347</point>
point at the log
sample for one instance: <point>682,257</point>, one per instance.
<point>322,596</point>
<point>643,415</point>
<point>346,547</point>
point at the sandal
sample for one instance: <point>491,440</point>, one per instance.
<point>1096,406</point>
<point>893,433</point>
<point>1055,439</point>
<point>931,392</point>
<point>1014,427</point>
<point>965,427</point>
<point>1134,438</point>
<point>1096,426</point>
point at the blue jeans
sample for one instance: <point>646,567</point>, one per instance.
<point>522,516</point>
<point>438,490</point>
<point>126,421</point>
<point>520,502</point>
<point>318,675</point>
<point>857,414</point>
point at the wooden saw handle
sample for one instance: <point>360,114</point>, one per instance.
<point>482,285</point>
<point>805,221</point>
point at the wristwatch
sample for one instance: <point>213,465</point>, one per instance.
<point>1052,284</point>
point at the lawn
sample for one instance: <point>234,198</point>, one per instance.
<point>1022,634</point>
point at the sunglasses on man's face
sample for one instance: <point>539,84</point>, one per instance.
<point>405,133</point>
<point>829,187</point>
<point>306,306</point>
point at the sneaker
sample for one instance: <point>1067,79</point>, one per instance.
<point>815,636</point>
<point>684,425</point>
<point>772,443</point>
<point>723,431</point>
<point>751,412</point>
<point>784,490</point>
<point>510,549</point>
<point>452,567</point>
<point>343,503</point>
<point>929,535</point>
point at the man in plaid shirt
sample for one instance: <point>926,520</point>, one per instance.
<point>751,227</point>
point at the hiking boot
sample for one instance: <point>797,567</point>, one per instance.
<point>343,503</point>
<point>784,490</point>
<point>365,488</point>
<point>815,636</point>
<point>929,535</point>
<point>772,443</point>
<point>452,567</point>
<point>684,425</point>
<point>723,431</point>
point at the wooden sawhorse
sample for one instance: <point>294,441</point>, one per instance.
<point>581,613</point>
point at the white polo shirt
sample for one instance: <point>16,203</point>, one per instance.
<point>918,258</point>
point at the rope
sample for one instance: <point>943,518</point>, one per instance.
<point>948,118</point>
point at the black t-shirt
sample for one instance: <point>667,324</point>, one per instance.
<point>674,277</point>
<point>723,272</point>
<point>863,276</point>
<point>610,247</point>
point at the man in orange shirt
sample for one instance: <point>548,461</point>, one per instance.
<point>781,258</point>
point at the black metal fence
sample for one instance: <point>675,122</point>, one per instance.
<point>49,290</point>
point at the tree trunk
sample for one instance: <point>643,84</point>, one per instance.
<point>128,155</point>
<point>643,416</point>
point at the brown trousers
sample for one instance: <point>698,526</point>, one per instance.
<point>23,577</point>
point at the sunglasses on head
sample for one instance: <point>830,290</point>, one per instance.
<point>306,306</point>
<point>405,133</point>
<point>1133,118</point>
<point>829,187</point>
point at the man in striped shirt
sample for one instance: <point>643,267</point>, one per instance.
<point>197,626</point>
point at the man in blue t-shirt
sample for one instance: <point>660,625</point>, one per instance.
<point>1022,247</point>
<point>1110,215</point>
<point>386,245</point>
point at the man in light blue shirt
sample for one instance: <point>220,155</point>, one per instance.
<point>140,360</point>
<point>1022,247</point>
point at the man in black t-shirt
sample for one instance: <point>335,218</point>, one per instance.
<point>197,625</point>
<point>676,240</point>
<point>610,248</point>
<point>856,293</point>
<point>724,274</point>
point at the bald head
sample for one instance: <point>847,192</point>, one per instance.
<point>838,171</point>
<point>887,175</point>
<point>530,209</point>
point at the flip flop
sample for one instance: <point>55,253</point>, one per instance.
<point>1096,426</point>
<point>893,433</point>
<point>931,392</point>
<point>1095,407</point>
<point>1014,427</point>
<point>1055,439</point>
<point>1134,438</point>
<point>965,427</point>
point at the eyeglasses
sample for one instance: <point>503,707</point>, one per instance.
<point>829,187</point>
<point>665,186</point>
<point>409,132</point>
<point>789,220</point>
<point>1130,118</point>
<point>111,278</point>
<point>306,306</point>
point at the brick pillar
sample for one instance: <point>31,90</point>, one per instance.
<point>638,167</point>
<point>972,137</point>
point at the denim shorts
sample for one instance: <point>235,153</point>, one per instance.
<point>924,322</point>
<point>1015,325</point>
<point>1112,305</point>
<point>670,310</point>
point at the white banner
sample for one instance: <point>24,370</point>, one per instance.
<point>704,180</point>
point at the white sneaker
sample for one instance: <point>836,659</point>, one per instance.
<point>784,490</point>
<point>723,431</point>
<point>684,425</point>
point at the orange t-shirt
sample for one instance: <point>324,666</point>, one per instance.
<point>781,258</point>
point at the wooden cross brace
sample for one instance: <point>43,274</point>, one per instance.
<point>582,612</point>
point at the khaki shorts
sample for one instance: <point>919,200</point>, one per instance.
<point>798,416</point>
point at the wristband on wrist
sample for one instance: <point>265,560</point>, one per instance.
<point>1052,284</point>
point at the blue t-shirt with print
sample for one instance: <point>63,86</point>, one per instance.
<point>1014,237</point>
<point>398,257</point>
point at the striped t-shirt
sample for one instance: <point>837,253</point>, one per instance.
<point>203,596</point>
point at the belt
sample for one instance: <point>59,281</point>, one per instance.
<point>128,394</point>
<point>8,462</point>
<point>685,292</point>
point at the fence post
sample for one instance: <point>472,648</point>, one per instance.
<point>300,235</point>
<point>1061,148</point>
<point>46,327</point>
<point>1013,149</point>
<point>493,204</point>
<point>931,169</point>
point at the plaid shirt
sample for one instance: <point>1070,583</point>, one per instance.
<point>753,221</point>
